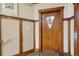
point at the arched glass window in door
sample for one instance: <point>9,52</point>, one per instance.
<point>50,20</point>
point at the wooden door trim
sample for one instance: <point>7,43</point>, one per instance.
<point>34,35</point>
<point>21,36</point>
<point>40,24</point>
<point>51,9</point>
<point>75,27</point>
<point>0,38</point>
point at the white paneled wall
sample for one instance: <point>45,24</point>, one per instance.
<point>72,36</point>
<point>37,35</point>
<point>10,37</point>
<point>28,41</point>
<point>65,32</point>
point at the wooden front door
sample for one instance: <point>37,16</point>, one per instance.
<point>52,30</point>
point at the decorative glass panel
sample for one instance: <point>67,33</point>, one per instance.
<point>50,20</point>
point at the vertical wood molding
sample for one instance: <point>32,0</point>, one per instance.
<point>75,27</point>
<point>21,36</point>
<point>69,30</point>
<point>0,37</point>
<point>34,34</point>
<point>40,32</point>
<point>62,15</point>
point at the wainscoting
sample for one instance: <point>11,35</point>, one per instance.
<point>17,36</point>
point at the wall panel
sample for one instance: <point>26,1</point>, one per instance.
<point>28,42</point>
<point>72,36</point>
<point>65,36</point>
<point>10,37</point>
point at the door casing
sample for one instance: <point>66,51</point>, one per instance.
<point>76,28</point>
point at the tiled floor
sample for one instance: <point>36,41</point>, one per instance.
<point>48,53</point>
<point>43,54</point>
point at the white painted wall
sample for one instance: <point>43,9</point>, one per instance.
<point>28,41</point>
<point>21,10</point>
<point>10,37</point>
<point>26,11</point>
<point>0,8</point>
